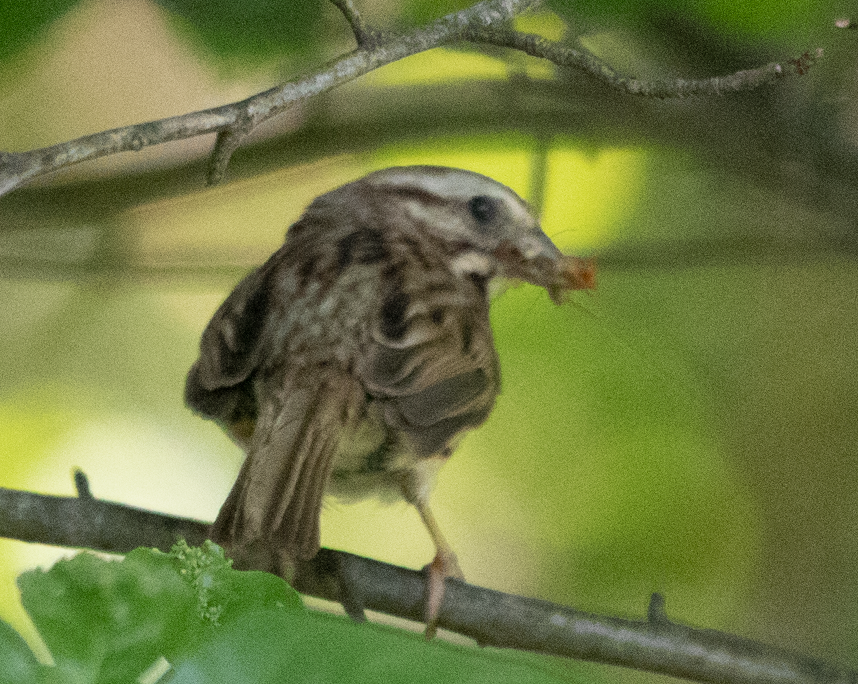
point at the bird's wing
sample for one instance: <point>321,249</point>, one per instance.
<point>278,494</point>
<point>432,362</point>
<point>219,383</point>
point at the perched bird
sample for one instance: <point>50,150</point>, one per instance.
<point>359,354</point>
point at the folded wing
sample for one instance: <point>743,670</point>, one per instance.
<point>432,362</point>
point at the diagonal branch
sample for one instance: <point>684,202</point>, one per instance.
<point>492,618</point>
<point>19,167</point>
<point>484,23</point>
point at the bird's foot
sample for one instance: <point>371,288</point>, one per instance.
<point>444,565</point>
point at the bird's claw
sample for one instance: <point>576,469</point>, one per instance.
<point>444,565</point>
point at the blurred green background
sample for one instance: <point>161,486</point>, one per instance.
<point>689,427</point>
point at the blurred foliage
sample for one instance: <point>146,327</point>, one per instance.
<point>251,30</point>
<point>422,11</point>
<point>259,30</point>
<point>247,31</point>
<point>791,21</point>
<point>135,619</point>
<point>22,22</point>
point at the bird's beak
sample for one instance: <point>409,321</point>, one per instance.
<point>536,259</point>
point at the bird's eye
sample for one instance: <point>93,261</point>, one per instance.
<point>484,209</point>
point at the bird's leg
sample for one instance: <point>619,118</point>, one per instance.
<point>417,483</point>
<point>444,565</point>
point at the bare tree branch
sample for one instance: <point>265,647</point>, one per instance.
<point>486,22</point>
<point>581,59</point>
<point>492,618</point>
<point>16,168</point>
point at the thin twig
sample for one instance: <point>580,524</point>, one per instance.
<point>81,484</point>
<point>365,36</point>
<point>17,168</point>
<point>228,141</point>
<point>493,618</point>
<point>485,22</point>
<point>583,60</point>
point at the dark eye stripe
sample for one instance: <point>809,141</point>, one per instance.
<point>483,208</point>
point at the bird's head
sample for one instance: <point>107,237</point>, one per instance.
<point>491,230</point>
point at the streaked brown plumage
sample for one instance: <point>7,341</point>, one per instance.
<point>358,355</point>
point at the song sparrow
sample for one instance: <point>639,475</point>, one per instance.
<point>357,356</point>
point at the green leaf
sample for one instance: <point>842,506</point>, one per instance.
<point>250,30</point>
<point>19,664</point>
<point>108,620</point>
<point>20,22</point>
<point>223,593</point>
<point>190,612</point>
<point>268,646</point>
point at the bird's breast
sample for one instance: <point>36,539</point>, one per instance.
<point>371,460</point>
